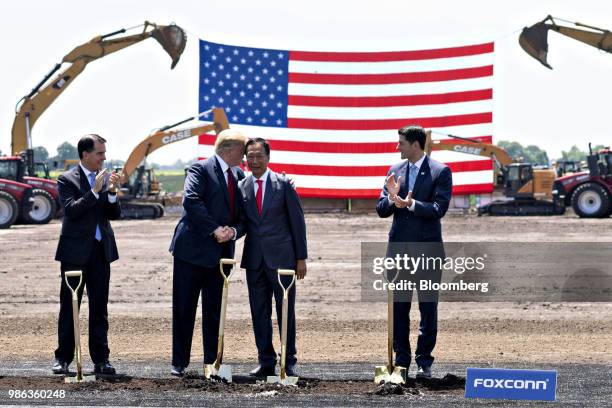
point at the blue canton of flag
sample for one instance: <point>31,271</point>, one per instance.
<point>249,83</point>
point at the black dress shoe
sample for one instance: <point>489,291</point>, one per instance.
<point>104,368</point>
<point>177,371</point>
<point>262,372</point>
<point>290,371</point>
<point>59,367</point>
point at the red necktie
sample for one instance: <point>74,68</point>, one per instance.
<point>231,181</point>
<point>259,196</point>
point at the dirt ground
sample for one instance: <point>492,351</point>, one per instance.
<point>333,324</point>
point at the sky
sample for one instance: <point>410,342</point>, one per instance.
<point>124,96</point>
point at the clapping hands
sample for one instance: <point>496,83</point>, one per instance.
<point>113,181</point>
<point>393,188</point>
<point>402,202</point>
<point>223,234</point>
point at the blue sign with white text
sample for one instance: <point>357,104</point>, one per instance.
<point>511,384</point>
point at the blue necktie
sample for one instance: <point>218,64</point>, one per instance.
<point>92,181</point>
<point>412,176</point>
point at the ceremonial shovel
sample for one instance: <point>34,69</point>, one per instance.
<point>219,369</point>
<point>390,373</point>
<point>283,378</point>
<point>77,329</point>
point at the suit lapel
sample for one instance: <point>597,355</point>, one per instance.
<point>249,191</point>
<point>81,180</point>
<point>221,177</point>
<point>404,181</point>
<point>271,187</point>
<point>421,175</point>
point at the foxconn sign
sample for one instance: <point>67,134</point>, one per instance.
<point>511,384</point>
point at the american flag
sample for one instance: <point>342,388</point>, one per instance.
<point>332,117</point>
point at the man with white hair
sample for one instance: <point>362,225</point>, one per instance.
<point>205,233</point>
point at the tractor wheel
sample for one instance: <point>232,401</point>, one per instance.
<point>43,208</point>
<point>590,200</point>
<point>9,210</point>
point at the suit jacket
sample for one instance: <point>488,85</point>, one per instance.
<point>82,212</point>
<point>432,190</point>
<point>206,207</point>
<point>278,236</point>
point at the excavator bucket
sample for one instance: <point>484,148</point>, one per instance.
<point>173,39</point>
<point>534,40</point>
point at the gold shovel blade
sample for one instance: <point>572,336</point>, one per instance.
<point>75,379</point>
<point>275,379</point>
<point>382,374</point>
<point>224,372</point>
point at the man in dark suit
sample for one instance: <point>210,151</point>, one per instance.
<point>206,232</point>
<point>426,186</point>
<point>275,239</point>
<point>87,243</point>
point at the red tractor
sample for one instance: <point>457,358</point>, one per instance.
<point>590,193</point>
<point>44,195</point>
<point>15,199</point>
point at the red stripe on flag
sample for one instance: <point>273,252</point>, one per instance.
<point>392,55</point>
<point>373,101</point>
<point>368,171</point>
<point>396,78</point>
<point>328,147</point>
<point>375,193</point>
<point>385,124</point>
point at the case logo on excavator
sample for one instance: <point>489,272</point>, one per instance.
<point>467,149</point>
<point>183,134</point>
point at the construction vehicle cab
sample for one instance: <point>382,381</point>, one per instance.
<point>527,190</point>
<point>600,163</point>
<point>45,195</point>
<point>564,166</point>
<point>142,183</point>
<point>517,176</point>
<point>590,193</point>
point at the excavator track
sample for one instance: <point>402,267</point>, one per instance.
<point>131,210</point>
<point>521,208</point>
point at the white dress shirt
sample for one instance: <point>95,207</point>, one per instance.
<point>224,167</point>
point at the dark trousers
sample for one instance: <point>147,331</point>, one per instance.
<point>428,331</point>
<point>263,284</point>
<point>96,277</point>
<point>189,281</point>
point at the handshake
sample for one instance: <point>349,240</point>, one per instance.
<point>224,234</point>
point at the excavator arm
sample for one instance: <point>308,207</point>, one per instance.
<point>164,137</point>
<point>534,39</point>
<point>172,38</point>
<point>470,146</point>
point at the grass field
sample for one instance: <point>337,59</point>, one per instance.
<point>172,180</point>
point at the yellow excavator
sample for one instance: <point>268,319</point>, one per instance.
<point>20,165</point>
<point>529,190</point>
<point>534,39</point>
<point>141,194</point>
